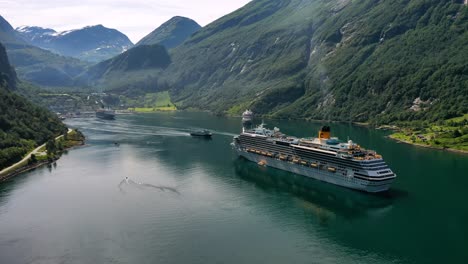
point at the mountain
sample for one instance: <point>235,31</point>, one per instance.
<point>92,43</point>
<point>22,124</point>
<point>133,69</point>
<point>37,65</point>
<point>35,35</point>
<point>7,72</point>
<point>7,33</point>
<point>172,33</point>
<point>368,60</point>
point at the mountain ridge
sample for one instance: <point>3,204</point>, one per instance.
<point>171,33</point>
<point>37,65</point>
<point>130,72</point>
<point>91,43</point>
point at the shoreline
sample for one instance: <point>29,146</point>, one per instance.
<point>12,171</point>
<point>428,146</point>
<point>23,169</point>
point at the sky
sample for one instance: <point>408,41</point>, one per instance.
<point>134,18</point>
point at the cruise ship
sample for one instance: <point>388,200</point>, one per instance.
<point>323,158</point>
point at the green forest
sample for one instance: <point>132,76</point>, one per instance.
<point>358,61</point>
<point>23,125</point>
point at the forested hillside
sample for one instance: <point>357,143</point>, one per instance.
<point>135,70</point>
<point>22,124</point>
<point>366,60</point>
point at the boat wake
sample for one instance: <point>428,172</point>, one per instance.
<point>167,132</point>
<point>129,182</point>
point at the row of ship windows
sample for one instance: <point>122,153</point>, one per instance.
<point>370,165</point>
<point>383,172</point>
<point>286,150</point>
<point>321,159</point>
<point>362,182</point>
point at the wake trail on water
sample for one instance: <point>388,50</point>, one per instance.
<point>224,133</point>
<point>142,186</point>
<point>169,133</point>
<point>215,132</point>
<point>124,128</point>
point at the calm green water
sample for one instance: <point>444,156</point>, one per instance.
<point>220,209</point>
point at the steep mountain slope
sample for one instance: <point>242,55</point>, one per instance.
<point>7,72</point>
<point>93,43</point>
<point>339,59</point>
<point>22,124</point>
<point>7,33</point>
<point>36,65</point>
<point>137,68</point>
<point>172,33</point>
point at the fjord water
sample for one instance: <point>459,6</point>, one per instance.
<point>191,200</point>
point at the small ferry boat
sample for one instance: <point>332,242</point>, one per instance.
<point>201,133</point>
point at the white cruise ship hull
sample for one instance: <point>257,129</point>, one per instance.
<point>321,174</point>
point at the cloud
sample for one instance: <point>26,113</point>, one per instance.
<point>135,18</point>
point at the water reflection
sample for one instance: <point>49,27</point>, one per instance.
<point>324,200</point>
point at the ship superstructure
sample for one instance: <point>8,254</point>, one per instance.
<point>247,118</point>
<point>323,158</point>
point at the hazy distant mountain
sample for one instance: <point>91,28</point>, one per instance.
<point>37,65</point>
<point>35,35</point>
<point>93,43</point>
<point>172,33</point>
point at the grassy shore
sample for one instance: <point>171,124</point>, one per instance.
<point>152,102</point>
<point>152,109</point>
<point>451,134</point>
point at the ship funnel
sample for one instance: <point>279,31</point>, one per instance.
<point>324,132</point>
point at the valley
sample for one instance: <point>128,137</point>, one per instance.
<point>248,131</point>
<point>386,63</point>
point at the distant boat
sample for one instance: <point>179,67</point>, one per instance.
<point>247,117</point>
<point>201,133</point>
<point>105,114</point>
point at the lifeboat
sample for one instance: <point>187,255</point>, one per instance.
<point>269,154</point>
<point>303,162</point>
<point>314,164</point>
<point>295,160</point>
<point>282,157</point>
<point>331,169</point>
